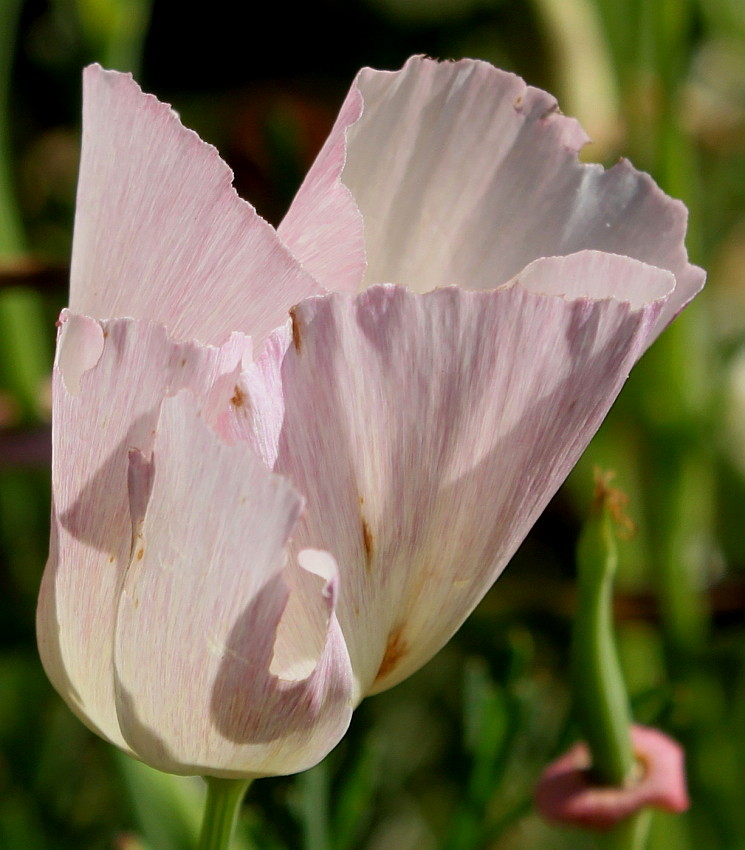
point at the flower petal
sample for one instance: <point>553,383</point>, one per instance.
<point>464,175</point>
<point>323,227</point>
<point>428,433</point>
<point>109,381</point>
<point>199,613</point>
<point>301,633</point>
<point>160,233</point>
<point>257,410</point>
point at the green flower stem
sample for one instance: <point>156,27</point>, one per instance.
<point>224,797</point>
<point>631,834</point>
<point>600,697</point>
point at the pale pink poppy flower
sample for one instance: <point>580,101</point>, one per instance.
<point>250,535</point>
<point>566,793</point>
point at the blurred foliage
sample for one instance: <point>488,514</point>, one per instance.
<point>447,759</point>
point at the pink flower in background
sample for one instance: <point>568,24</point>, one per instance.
<point>288,464</point>
<point>567,794</point>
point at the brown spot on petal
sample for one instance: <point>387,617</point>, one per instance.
<point>239,397</point>
<point>140,554</point>
<point>395,650</point>
<point>368,543</point>
<point>296,341</point>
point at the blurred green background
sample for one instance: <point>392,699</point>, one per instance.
<point>447,759</point>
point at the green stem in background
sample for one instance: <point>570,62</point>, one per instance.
<point>25,357</point>
<point>679,395</point>
<point>583,69</point>
<point>683,549</point>
<point>116,31</point>
<point>313,807</point>
<point>224,798</point>
<point>12,245</point>
<point>600,698</point>
<point>24,348</point>
<point>633,833</point>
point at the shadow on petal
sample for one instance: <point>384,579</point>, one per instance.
<point>150,748</point>
<point>249,705</point>
<point>47,624</point>
<point>99,516</point>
